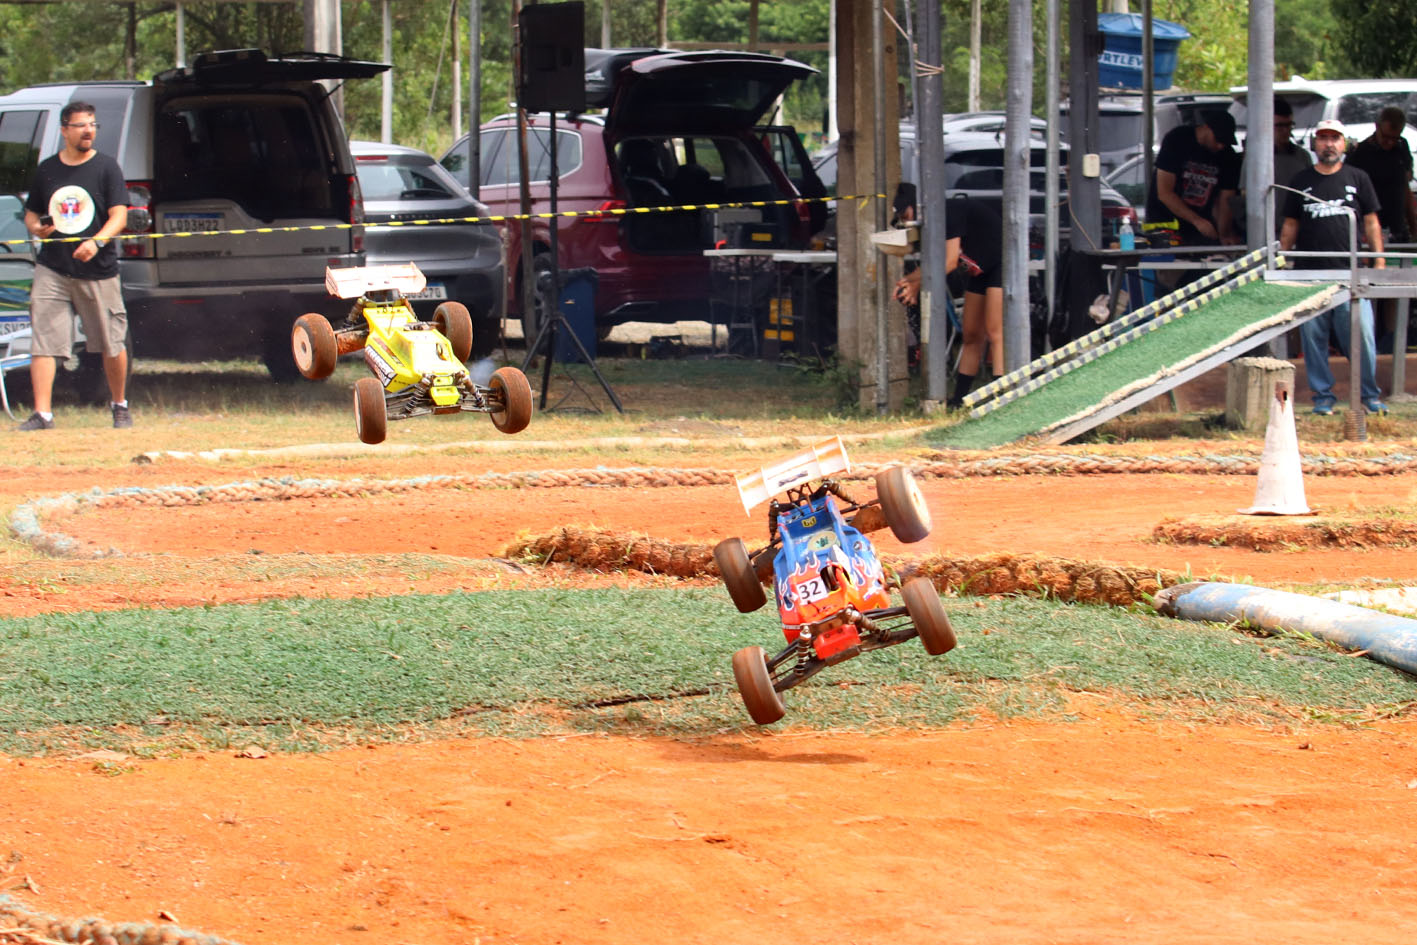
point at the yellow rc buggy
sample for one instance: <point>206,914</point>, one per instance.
<point>419,367</point>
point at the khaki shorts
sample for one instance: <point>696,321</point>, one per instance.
<point>54,301</point>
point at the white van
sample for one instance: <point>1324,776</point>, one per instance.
<point>1355,102</point>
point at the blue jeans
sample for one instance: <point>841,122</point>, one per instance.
<point>1315,337</point>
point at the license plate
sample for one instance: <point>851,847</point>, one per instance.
<point>431,291</point>
<point>191,222</point>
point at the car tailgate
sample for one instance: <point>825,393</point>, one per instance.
<point>226,245</point>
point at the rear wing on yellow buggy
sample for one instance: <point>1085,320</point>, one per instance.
<point>352,282</point>
<point>816,462</point>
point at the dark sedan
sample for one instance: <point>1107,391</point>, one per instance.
<point>462,261</point>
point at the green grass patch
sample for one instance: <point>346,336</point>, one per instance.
<point>310,674</point>
<point>1144,357</point>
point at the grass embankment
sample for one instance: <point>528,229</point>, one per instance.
<point>300,675</point>
<point>1144,357</point>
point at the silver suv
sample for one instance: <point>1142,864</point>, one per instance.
<point>236,141</point>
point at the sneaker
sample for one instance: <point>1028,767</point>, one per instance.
<point>1375,406</point>
<point>1323,410</point>
<point>36,422</point>
<point>121,417</point>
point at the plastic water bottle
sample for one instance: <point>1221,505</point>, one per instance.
<point>1125,237</point>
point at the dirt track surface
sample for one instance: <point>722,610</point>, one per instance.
<point>1108,829</point>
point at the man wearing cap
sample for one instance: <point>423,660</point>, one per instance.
<point>1316,220</point>
<point>1197,174</point>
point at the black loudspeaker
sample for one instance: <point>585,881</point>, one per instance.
<point>552,45</point>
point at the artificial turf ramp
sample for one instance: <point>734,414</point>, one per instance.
<point>1144,367</point>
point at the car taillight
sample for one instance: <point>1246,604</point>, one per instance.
<point>804,212</point>
<point>1115,215</point>
<point>601,214</point>
<point>356,214</point>
<point>140,220</point>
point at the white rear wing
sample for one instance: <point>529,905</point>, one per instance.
<point>352,282</point>
<point>816,462</point>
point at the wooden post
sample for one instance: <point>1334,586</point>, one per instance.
<point>860,265</point>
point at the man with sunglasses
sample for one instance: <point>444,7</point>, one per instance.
<point>1388,161</point>
<point>77,203</point>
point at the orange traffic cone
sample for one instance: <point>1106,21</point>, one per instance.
<point>1281,486</point>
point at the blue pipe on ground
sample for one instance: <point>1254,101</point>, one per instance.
<point>1386,638</point>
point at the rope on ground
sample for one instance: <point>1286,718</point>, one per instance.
<point>20,926</point>
<point>26,519</point>
<point>1091,582</point>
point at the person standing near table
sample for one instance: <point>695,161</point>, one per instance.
<point>1197,174</point>
<point>1388,161</point>
<point>77,193</point>
<point>974,238</point>
<point>1321,225</point>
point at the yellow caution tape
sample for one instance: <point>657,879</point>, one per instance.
<point>506,218</point>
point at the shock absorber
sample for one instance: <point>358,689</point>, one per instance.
<point>804,655</point>
<point>832,486</point>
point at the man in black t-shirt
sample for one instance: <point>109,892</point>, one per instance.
<point>1387,159</point>
<point>78,199</point>
<point>974,239</point>
<point>1197,172</point>
<point>1316,220</point>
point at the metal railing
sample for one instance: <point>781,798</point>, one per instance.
<point>1359,291</point>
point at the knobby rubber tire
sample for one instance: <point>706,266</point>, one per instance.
<point>511,387</point>
<point>314,347</point>
<point>455,324</point>
<point>937,635</point>
<point>736,569</point>
<point>750,672</point>
<point>904,506</point>
<point>371,417</point>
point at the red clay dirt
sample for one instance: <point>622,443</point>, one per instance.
<point>1107,829</point>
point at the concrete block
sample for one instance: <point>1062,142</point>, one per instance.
<point>1249,387</point>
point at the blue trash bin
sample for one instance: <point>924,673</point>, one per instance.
<point>1120,64</point>
<point>578,305</point>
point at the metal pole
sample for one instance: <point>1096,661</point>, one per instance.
<point>1053,97</point>
<point>181,59</point>
<point>1356,407</point>
<point>1259,122</point>
<point>878,74</point>
<point>386,81</point>
<point>1018,349</point>
<point>832,132</point>
<point>976,18</point>
<point>1148,86</point>
<point>474,96</point>
<point>931,197</point>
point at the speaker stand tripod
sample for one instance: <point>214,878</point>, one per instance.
<point>546,339</point>
<point>555,318</point>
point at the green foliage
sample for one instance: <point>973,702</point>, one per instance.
<point>1306,41</point>
<point>1378,36</point>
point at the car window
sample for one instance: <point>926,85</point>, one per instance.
<point>20,133</point>
<point>1308,109</point>
<point>501,164</point>
<point>1119,131</point>
<point>826,170</point>
<point>261,153</point>
<point>384,181</point>
<point>1364,109</point>
<point>1129,180</point>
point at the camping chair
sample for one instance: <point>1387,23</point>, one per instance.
<point>16,274</point>
<point>7,364</point>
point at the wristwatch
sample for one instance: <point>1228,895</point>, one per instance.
<point>98,242</point>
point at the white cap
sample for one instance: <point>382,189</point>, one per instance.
<point>1331,124</point>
